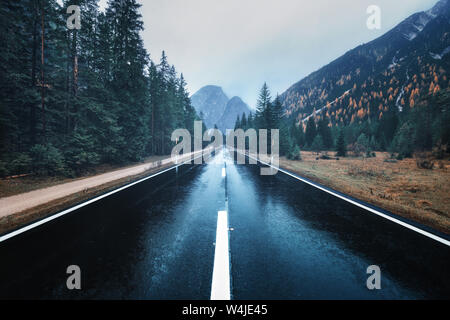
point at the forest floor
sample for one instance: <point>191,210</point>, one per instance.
<point>400,187</point>
<point>25,199</point>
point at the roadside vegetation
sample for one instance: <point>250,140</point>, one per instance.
<point>402,187</point>
<point>422,129</point>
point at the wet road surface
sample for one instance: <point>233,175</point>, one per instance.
<point>287,240</point>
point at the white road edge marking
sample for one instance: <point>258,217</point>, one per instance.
<point>220,287</point>
<point>224,172</point>
<point>404,224</point>
<point>64,212</point>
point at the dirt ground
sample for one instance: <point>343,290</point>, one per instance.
<point>400,187</point>
<point>32,198</point>
<point>13,186</point>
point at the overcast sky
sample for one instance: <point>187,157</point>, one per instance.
<point>239,44</point>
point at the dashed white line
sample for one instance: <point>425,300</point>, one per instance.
<point>220,287</point>
<point>224,172</point>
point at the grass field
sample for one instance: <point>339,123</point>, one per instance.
<point>400,187</point>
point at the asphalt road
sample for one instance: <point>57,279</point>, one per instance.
<point>287,240</point>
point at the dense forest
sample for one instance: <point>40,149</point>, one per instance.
<point>71,99</point>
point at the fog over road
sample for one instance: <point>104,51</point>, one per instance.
<point>286,240</point>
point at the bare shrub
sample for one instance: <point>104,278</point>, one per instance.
<point>425,164</point>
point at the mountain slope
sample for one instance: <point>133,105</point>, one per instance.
<point>216,109</point>
<point>210,102</point>
<point>235,107</point>
<point>390,73</point>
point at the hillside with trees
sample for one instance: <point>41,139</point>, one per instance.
<point>391,94</point>
<point>73,99</point>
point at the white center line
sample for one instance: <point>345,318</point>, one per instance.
<point>224,172</point>
<point>220,287</point>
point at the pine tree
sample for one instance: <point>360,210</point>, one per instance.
<point>388,125</point>
<point>280,123</point>
<point>341,147</point>
<point>263,108</point>
<point>311,131</point>
<point>237,124</point>
<point>403,144</point>
<point>264,114</point>
<point>317,144</point>
<point>250,121</point>
<point>188,111</point>
<point>297,135</point>
<point>362,145</point>
<point>244,121</point>
<point>294,152</point>
<point>324,130</point>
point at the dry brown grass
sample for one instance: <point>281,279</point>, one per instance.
<point>399,187</point>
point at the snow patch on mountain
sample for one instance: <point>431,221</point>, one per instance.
<point>394,63</point>
<point>416,23</point>
<point>325,106</point>
<point>437,56</point>
<point>402,92</point>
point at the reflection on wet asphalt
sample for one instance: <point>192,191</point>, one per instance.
<point>289,240</point>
